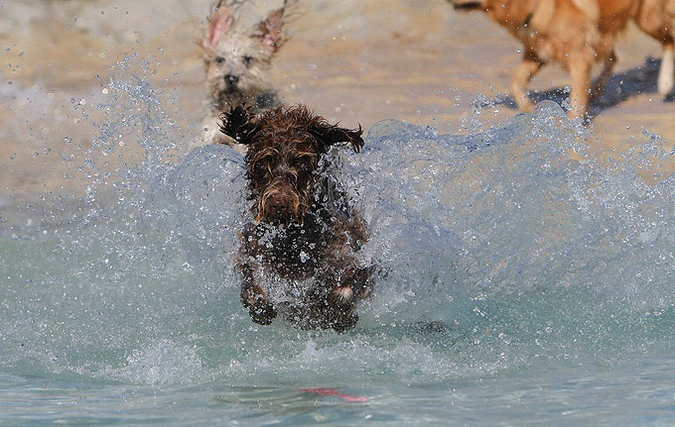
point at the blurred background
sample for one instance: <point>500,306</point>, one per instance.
<point>351,61</point>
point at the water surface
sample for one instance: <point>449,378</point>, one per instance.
<point>524,280</point>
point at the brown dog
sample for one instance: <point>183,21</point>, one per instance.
<point>577,33</point>
<point>299,256</point>
<point>237,59</point>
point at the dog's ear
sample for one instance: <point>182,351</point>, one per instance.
<point>220,22</point>
<point>327,135</point>
<point>238,125</point>
<point>270,30</point>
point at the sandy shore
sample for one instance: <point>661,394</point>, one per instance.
<point>351,61</point>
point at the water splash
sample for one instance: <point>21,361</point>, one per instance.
<point>497,250</point>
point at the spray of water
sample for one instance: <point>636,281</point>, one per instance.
<point>496,250</point>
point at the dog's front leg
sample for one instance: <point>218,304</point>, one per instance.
<point>580,71</point>
<point>521,80</point>
<point>601,82</point>
<point>254,299</point>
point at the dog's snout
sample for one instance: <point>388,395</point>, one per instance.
<point>280,211</point>
<point>280,207</point>
<point>231,79</point>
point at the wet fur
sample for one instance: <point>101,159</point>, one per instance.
<point>577,34</point>
<point>299,256</point>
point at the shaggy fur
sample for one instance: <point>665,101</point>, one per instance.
<point>237,60</point>
<point>577,33</point>
<point>298,258</point>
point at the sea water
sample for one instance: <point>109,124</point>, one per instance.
<point>521,282</point>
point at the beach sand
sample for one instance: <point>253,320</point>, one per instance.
<point>351,61</point>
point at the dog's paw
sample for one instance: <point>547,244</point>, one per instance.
<point>346,323</point>
<point>342,304</point>
<point>263,314</point>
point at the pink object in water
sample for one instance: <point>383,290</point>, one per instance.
<point>334,393</point>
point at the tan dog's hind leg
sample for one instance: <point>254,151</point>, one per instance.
<point>654,21</point>
<point>521,78</point>
<point>667,71</point>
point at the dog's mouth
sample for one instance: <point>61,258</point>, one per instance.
<point>280,207</point>
<point>227,84</point>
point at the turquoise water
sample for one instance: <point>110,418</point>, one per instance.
<point>517,287</point>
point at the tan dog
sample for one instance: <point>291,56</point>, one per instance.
<point>577,33</point>
<point>237,58</point>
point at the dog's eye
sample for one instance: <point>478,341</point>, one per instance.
<point>303,166</point>
<point>220,60</point>
<point>304,163</point>
<point>248,60</point>
<point>262,169</point>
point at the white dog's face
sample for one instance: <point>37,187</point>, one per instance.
<point>237,66</point>
<point>237,59</point>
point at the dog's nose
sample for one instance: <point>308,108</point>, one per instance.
<point>231,79</point>
<point>280,213</point>
<point>279,207</point>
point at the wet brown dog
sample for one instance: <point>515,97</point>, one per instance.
<point>299,256</point>
<point>577,33</point>
<point>237,59</point>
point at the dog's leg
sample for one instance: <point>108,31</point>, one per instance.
<point>352,287</point>
<point>580,72</point>
<point>341,305</point>
<point>211,133</point>
<point>600,83</point>
<point>655,22</point>
<point>253,298</point>
<point>667,71</point>
<point>526,70</point>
